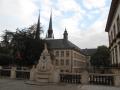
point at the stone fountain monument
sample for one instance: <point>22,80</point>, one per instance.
<point>44,71</point>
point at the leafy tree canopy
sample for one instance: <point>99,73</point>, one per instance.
<point>101,57</point>
<point>22,46</point>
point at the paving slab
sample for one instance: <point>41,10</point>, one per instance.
<point>9,84</point>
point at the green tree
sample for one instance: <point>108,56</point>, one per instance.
<point>101,57</point>
<point>6,38</point>
<point>23,46</point>
<point>5,59</point>
<point>27,49</point>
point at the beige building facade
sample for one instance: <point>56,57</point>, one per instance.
<point>68,60</point>
<point>113,29</point>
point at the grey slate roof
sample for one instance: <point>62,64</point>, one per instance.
<point>61,44</point>
<point>66,44</point>
<point>89,52</point>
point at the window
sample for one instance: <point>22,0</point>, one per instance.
<point>109,39</point>
<point>75,63</point>
<point>74,55</point>
<point>62,53</point>
<point>67,53</point>
<point>61,70</point>
<point>114,30</point>
<point>67,62</point>
<point>116,55</point>
<point>112,35</point>
<point>77,56</point>
<point>57,53</point>
<point>118,24</point>
<point>113,56</point>
<point>79,63</point>
<point>62,62</point>
<point>67,70</point>
<point>119,47</point>
<point>56,62</point>
<point>119,53</point>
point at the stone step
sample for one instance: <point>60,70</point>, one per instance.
<point>42,80</point>
<point>42,76</point>
<point>43,73</point>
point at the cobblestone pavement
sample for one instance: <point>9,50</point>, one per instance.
<point>7,84</point>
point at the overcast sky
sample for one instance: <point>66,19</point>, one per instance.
<point>85,20</point>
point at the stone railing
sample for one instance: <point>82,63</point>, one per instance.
<point>70,78</point>
<point>13,73</point>
<point>22,74</point>
<point>90,78</point>
<point>5,72</point>
<point>101,79</point>
<point>74,78</point>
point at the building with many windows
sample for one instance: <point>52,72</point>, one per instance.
<point>66,56</point>
<point>113,29</point>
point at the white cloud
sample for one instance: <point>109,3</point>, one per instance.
<point>68,5</point>
<point>23,10</point>
<point>89,4</point>
<point>93,36</point>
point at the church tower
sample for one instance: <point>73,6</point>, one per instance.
<point>50,30</point>
<point>37,33</point>
<point>65,35</point>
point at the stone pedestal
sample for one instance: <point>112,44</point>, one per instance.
<point>56,76</point>
<point>85,77</point>
<point>117,80</point>
<point>116,77</point>
<point>0,67</point>
<point>43,77</point>
<point>13,73</point>
<point>32,73</point>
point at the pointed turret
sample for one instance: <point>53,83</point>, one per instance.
<point>65,35</point>
<point>50,30</point>
<point>37,35</point>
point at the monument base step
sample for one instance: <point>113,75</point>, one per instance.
<point>42,80</point>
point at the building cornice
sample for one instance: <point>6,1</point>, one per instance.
<point>111,14</point>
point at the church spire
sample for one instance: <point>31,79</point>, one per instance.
<point>65,35</point>
<point>50,30</point>
<point>37,35</point>
<point>50,23</point>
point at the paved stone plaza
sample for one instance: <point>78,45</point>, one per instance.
<point>7,84</point>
